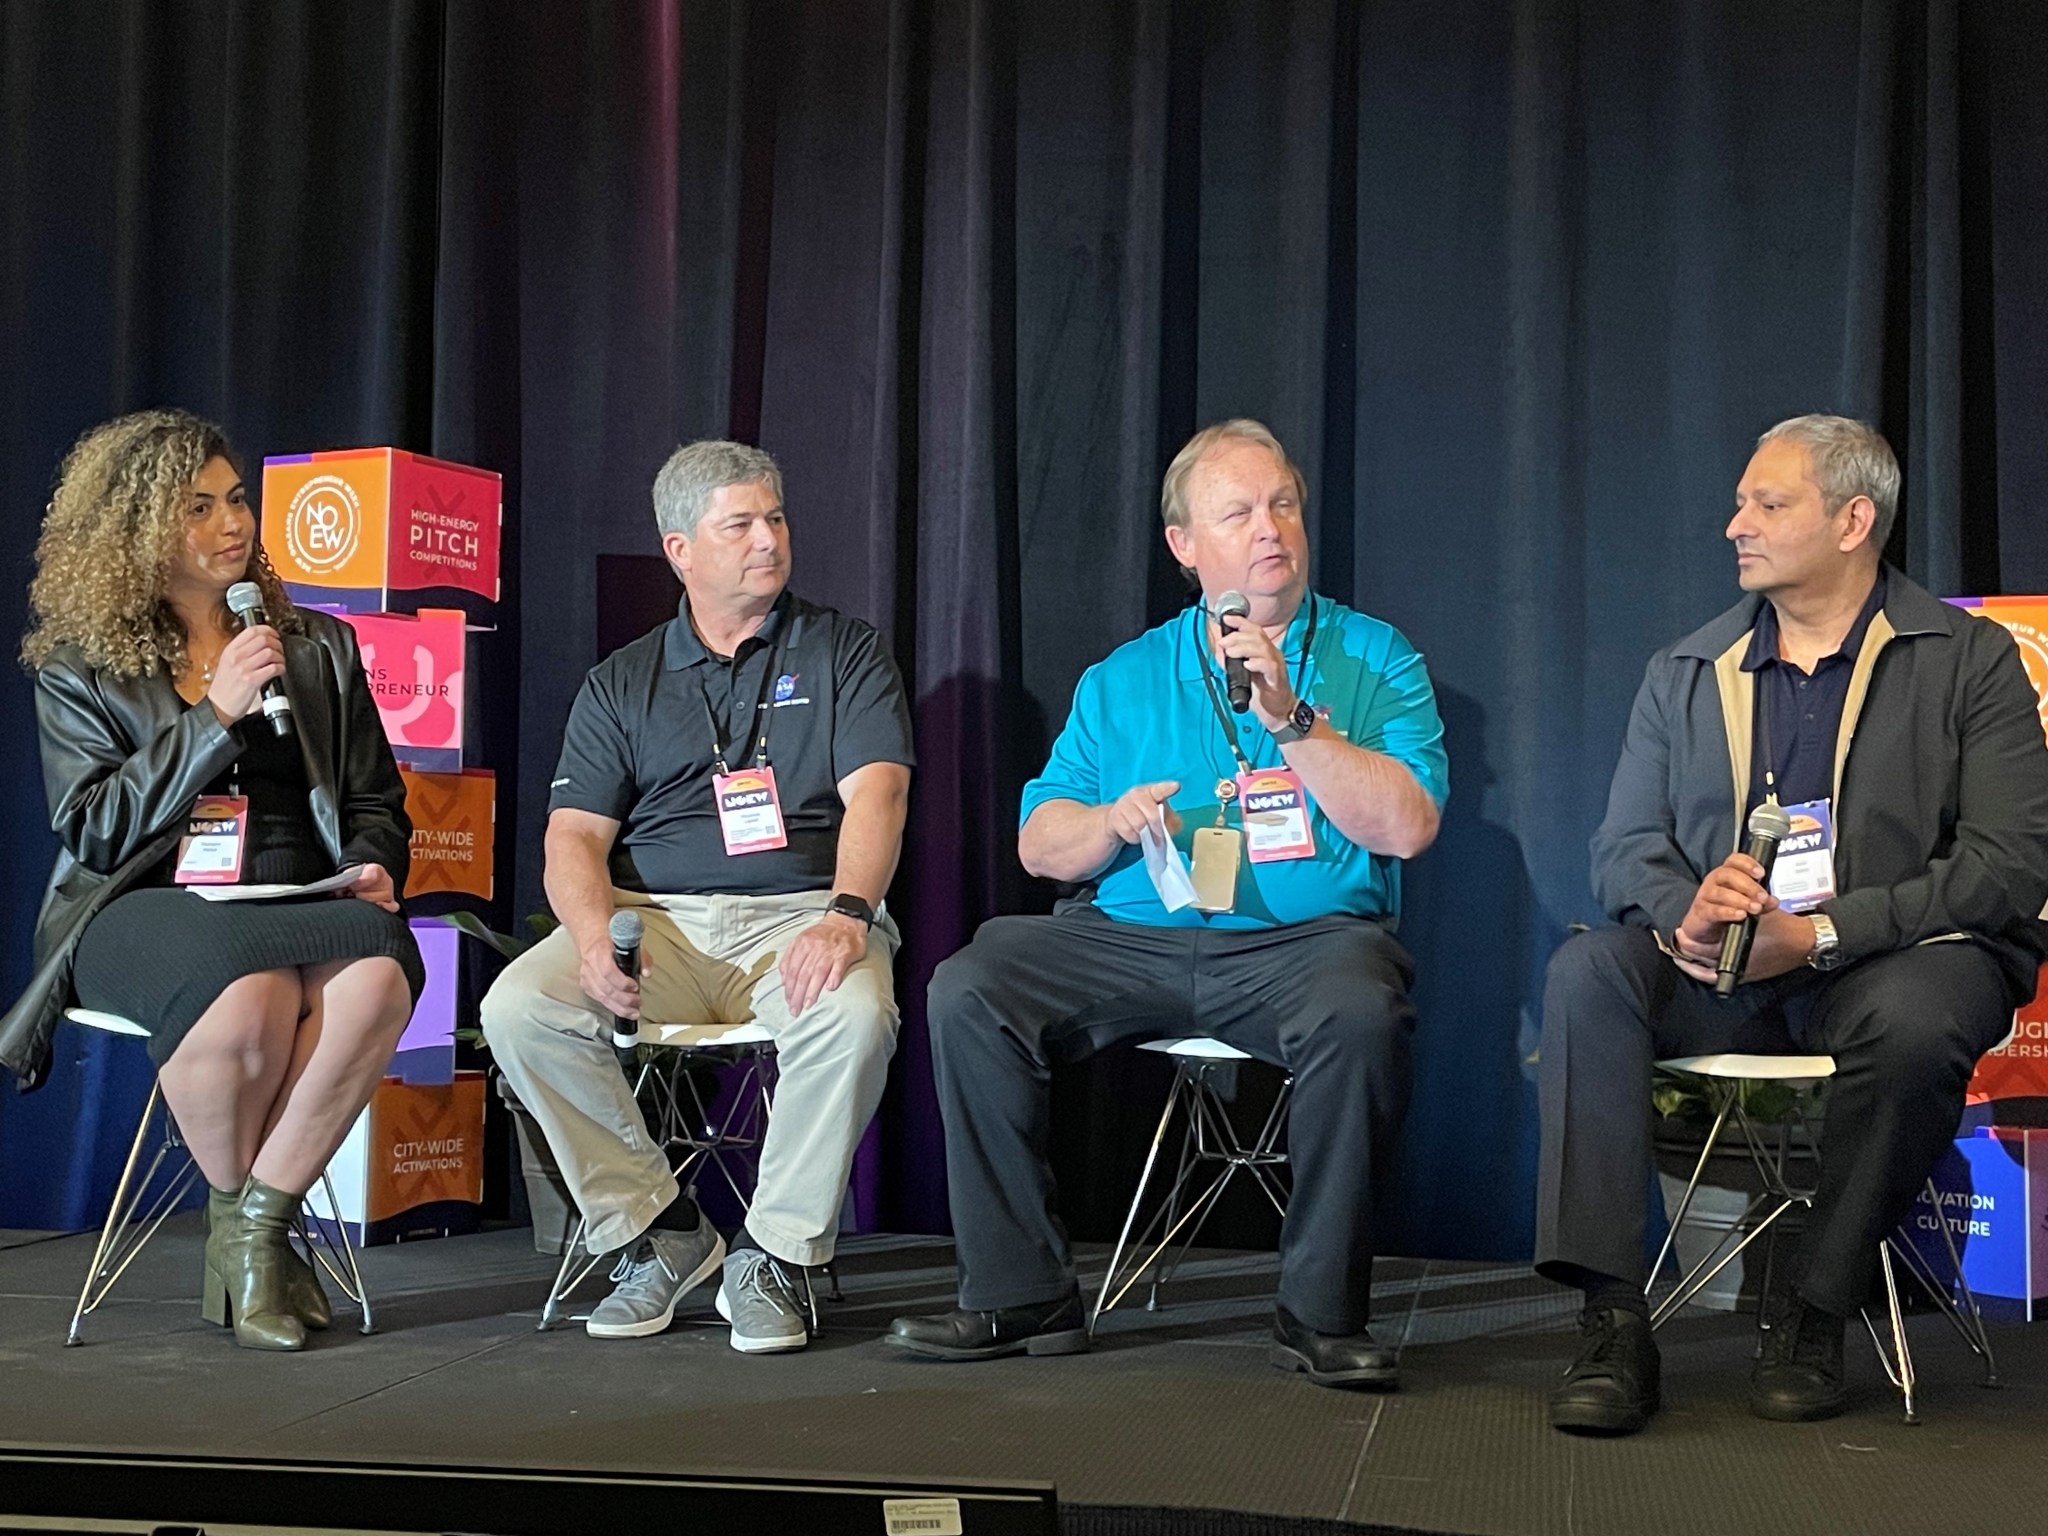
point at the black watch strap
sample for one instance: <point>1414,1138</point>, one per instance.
<point>849,905</point>
<point>1298,724</point>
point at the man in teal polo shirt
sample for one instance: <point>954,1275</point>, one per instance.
<point>1292,813</point>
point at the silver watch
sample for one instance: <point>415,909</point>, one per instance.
<point>1827,944</point>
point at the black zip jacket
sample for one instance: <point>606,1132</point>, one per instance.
<point>123,760</point>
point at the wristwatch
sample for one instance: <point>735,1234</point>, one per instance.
<point>1827,944</point>
<point>846,904</point>
<point>1296,725</point>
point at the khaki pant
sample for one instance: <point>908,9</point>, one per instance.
<point>713,961</point>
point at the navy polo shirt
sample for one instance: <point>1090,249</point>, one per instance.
<point>1142,715</point>
<point>639,749</point>
<point>1799,714</point>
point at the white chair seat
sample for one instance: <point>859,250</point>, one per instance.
<point>707,1034</point>
<point>1768,1069</point>
<point>112,1023</point>
<point>1196,1048</point>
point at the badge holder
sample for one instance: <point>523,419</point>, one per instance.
<point>210,852</point>
<point>749,805</point>
<point>1217,852</point>
<point>1273,805</point>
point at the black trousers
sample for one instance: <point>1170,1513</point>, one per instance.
<point>1326,999</point>
<point>1905,1029</point>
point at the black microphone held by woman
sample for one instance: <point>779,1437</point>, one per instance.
<point>245,601</point>
<point>1768,826</point>
<point>270,1023</point>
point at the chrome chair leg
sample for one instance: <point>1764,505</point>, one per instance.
<point>134,1215</point>
<point>1898,1365</point>
<point>322,1245</point>
<point>1105,1298</point>
<point>117,1216</point>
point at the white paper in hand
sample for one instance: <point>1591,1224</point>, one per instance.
<point>341,879</point>
<point>1164,863</point>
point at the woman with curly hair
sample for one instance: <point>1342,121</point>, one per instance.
<point>271,1022</point>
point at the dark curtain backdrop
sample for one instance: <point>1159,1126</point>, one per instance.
<point>1518,284</point>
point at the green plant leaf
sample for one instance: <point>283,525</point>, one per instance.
<point>469,923</point>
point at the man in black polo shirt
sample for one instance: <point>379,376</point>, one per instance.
<point>1901,735</point>
<point>738,777</point>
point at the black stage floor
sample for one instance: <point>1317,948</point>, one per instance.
<point>1174,1411</point>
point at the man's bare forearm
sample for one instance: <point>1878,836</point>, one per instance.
<point>871,838</point>
<point>578,881</point>
<point>1375,801</point>
<point>1066,840</point>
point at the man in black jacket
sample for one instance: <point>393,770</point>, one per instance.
<point>1901,736</point>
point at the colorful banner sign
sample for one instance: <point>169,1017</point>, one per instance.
<point>2026,619</point>
<point>426,1051</point>
<point>2019,1067</point>
<point>454,819</point>
<point>1991,1198</point>
<point>415,665</point>
<point>413,1163</point>
<point>351,527</point>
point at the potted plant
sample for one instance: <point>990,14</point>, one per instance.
<point>547,1194</point>
<point>1786,1119</point>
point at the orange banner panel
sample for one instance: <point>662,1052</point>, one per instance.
<point>426,1144</point>
<point>454,818</point>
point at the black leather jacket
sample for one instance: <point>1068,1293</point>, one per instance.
<point>122,762</point>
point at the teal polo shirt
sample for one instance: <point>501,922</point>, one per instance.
<point>1142,715</point>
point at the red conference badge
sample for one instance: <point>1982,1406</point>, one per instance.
<point>1275,809</point>
<point>749,810</point>
<point>210,852</point>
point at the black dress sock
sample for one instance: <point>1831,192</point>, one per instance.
<point>680,1215</point>
<point>1604,1293</point>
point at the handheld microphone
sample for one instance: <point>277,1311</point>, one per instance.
<point>246,599</point>
<point>1768,826</point>
<point>1235,605</point>
<point>625,930</point>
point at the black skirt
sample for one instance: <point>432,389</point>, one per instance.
<point>160,955</point>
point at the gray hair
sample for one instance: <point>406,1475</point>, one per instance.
<point>696,471</point>
<point>1850,459</point>
<point>1173,492</point>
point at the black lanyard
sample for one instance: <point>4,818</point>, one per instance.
<point>1771,682</point>
<point>762,713</point>
<point>1308,640</point>
<point>1763,730</point>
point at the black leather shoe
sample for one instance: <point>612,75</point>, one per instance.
<point>1049,1328</point>
<point>1333,1359</point>
<point>1614,1385</point>
<point>1800,1375</point>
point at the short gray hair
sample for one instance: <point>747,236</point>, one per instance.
<point>1173,491</point>
<point>696,471</point>
<point>1850,459</point>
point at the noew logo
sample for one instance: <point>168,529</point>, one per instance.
<point>2034,652</point>
<point>324,524</point>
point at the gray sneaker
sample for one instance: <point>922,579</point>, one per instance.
<point>652,1276</point>
<point>758,1298</point>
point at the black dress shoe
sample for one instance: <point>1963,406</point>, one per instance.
<point>1048,1328</point>
<point>1800,1375</point>
<point>1333,1359</point>
<point>1613,1386</point>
